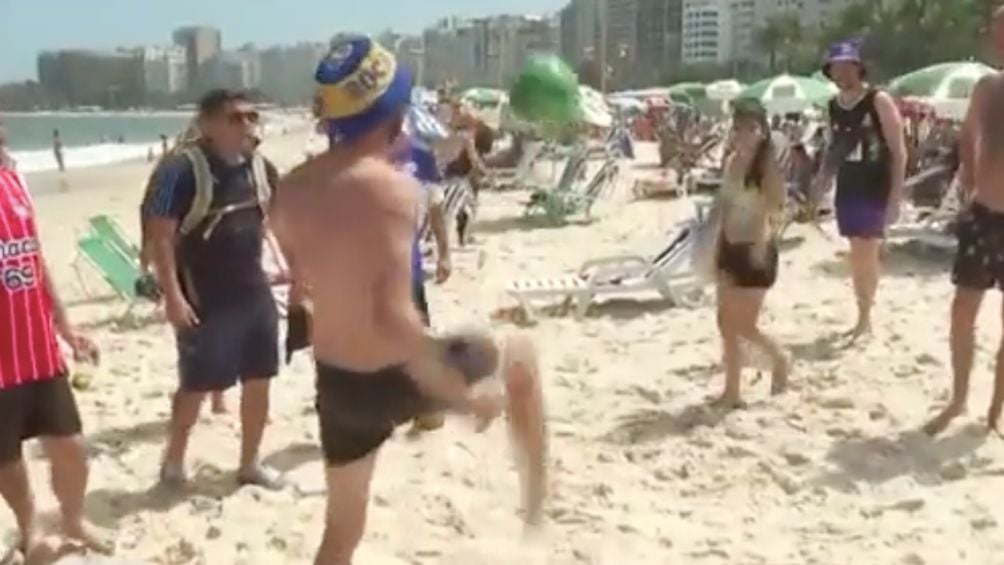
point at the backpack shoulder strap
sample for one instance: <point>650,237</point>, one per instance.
<point>203,197</point>
<point>262,185</point>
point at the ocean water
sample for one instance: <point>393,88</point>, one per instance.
<point>88,139</point>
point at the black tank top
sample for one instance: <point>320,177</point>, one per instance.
<point>863,172</point>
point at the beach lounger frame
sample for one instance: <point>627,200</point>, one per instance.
<point>557,205</point>
<point>668,274</point>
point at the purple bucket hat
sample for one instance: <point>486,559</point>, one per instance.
<point>847,51</point>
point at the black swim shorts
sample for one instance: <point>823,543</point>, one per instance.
<point>43,408</point>
<point>735,261</point>
<point>358,411</point>
<point>979,260</point>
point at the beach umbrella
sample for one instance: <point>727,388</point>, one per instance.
<point>482,97</point>
<point>593,108</point>
<point>946,87</point>
<point>786,94</point>
<point>626,104</point>
<point>695,91</point>
<point>546,91</point>
<point>724,90</point>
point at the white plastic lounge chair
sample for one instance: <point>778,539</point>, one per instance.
<point>668,273</point>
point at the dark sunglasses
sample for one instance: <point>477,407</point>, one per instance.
<point>251,117</point>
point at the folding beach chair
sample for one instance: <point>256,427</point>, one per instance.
<point>521,175</point>
<point>558,205</point>
<point>108,229</point>
<point>667,273</point>
<point>115,268</point>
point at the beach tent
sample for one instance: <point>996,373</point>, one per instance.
<point>787,94</point>
<point>946,87</point>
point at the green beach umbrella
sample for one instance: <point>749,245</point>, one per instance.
<point>694,90</point>
<point>786,93</point>
<point>546,91</point>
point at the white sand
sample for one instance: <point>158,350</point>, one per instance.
<point>832,473</point>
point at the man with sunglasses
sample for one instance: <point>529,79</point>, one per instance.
<point>206,220</point>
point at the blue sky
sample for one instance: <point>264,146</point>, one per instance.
<point>29,26</point>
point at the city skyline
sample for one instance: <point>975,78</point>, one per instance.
<point>29,28</point>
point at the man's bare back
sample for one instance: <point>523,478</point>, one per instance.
<point>348,223</point>
<point>986,126</point>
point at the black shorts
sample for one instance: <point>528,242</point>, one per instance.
<point>230,344</point>
<point>44,408</point>
<point>979,260</point>
<point>735,260</point>
<point>358,411</point>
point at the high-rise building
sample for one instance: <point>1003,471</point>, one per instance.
<point>109,79</point>
<point>484,51</point>
<point>202,46</point>
<point>165,70</point>
<point>659,39</point>
<point>240,69</point>
<point>581,32</point>
<point>707,32</point>
<point>287,73</point>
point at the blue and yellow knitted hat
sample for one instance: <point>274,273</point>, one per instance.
<point>360,85</point>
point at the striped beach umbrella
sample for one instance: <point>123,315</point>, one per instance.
<point>785,94</point>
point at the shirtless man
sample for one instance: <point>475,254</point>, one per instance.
<point>347,221</point>
<point>978,263</point>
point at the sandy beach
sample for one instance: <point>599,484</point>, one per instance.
<point>833,473</point>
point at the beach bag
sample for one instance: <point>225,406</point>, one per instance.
<point>201,209</point>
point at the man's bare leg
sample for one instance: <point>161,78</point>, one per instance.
<point>254,417</point>
<point>184,413</point>
<point>68,463</point>
<point>219,403</point>
<point>865,271</point>
<point>15,488</point>
<point>527,423</point>
<point>345,519</point>
<point>962,339</point>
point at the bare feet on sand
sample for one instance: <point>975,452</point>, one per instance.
<point>941,421</point>
<point>729,402</point>
<point>89,537</point>
<point>860,333</point>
